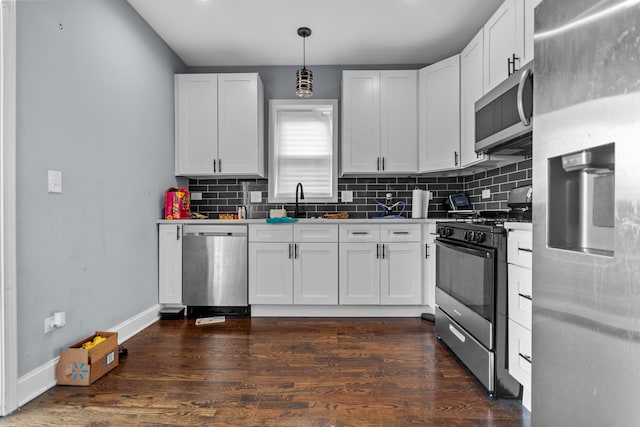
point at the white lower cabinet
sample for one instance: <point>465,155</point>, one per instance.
<point>380,264</point>
<point>519,257</point>
<point>170,263</point>
<point>429,265</point>
<point>293,264</point>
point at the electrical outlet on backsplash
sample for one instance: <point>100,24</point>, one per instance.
<point>224,195</point>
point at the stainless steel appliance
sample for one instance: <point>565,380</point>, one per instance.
<point>586,216</point>
<point>471,299</point>
<point>214,268</point>
<point>503,115</point>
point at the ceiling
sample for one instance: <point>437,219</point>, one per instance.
<point>264,32</point>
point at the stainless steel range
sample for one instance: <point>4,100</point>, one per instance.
<point>471,299</point>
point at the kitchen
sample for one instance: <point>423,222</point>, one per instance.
<point>100,237</point>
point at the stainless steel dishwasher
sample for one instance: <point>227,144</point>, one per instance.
<point>214,268</point>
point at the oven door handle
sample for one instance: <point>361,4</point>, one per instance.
<point>482,253</point>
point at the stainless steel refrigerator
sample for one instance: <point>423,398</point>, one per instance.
<point>586,214</point>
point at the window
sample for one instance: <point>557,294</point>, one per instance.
<point>303,146</point>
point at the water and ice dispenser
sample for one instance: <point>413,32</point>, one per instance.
<point>581,208</point>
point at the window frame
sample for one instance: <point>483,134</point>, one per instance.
<point>276,105</point>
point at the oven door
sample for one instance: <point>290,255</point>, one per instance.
<point>465,287</point>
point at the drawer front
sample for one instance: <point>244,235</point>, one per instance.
<point>520,353</point>
<point>315,233</point>
<point>271,233</point>
<point>400,233</point>
<point>519,248</point>
<point>474,355</point>
<point>520,295</point>
<point>359,233</point>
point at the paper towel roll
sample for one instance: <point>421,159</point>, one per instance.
<point>426,195</point>
<point>416,203</point>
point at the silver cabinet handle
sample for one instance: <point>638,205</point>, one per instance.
<point>295,246</point>
<point>523,79</point>
<point>525,357</point>
<point>525,296</point>
<point>383,245</point>
<point>400,232</point>
<point>360,233</point>
<point>455,158</point>
<point>219,165</point>
<point>214,166</point>
<point>526,250</point>
<point>378,163</point>
<point>290,251</point>
<point>426,250</point>
<point>383,163</point>
<point>377,250</point>
<point>177,232</point>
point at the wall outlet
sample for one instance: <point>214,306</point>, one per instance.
<point>486,194</point>
<point>196,196</point>
<point>256,196</point>
<point>347,196</point>
<point>57,321</point>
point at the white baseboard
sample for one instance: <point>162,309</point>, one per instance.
<point>41,379</point>
<point>339,310</point>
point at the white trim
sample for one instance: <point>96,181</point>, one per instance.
<point>8,275</point>
<point>339,310</point>
<point>41,379</point>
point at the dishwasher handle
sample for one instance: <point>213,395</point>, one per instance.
<point>211,233</point>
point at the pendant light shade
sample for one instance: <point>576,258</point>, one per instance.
<point>304,77</point>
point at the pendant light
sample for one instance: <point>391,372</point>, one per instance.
<point>304,77</point>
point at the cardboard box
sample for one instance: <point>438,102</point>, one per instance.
<point>78,366</point>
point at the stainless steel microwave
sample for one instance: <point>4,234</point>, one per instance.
<point>504,116</point>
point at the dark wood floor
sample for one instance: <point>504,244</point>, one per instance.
<point>279,372</point>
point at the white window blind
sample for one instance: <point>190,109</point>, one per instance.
<point>303,149</point>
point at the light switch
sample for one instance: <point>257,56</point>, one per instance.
<point>196,196</point>
<point>486,193</point>
<point>347,196</point>
<point>55,181</point>
<point>256,196</point>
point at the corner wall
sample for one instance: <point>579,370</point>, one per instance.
<point>95,101</point>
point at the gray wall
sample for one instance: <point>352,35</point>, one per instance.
<point>95,101</point>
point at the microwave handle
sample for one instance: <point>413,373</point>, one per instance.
<point>523,79</point>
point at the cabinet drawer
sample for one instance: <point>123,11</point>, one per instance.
<point>520,353</point>
<point>359,233</point>
<point>400,233</point>
<point>315,233</point>
<point>519,248</point>
<point>271,233</point>
<point>520,295</point>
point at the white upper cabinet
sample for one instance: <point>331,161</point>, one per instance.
<point>529,15</point>
<point>439,112</point>
<point>503,40</point>
<point>240,124</point>
<point>196,109</point>
<point>471,89</point>
<point>219,124</point>
<point>379,122</point>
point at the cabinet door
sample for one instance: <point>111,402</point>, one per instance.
<point>360,121</point>
<point>501,41</point>
<point>429,266</point>
<point>170,264</point>
<point>270,273</point>
<point>196,110</point>
<point>240,125</point>
<point>440,115</point>
<point>471,89</point>
<point>359,274</point>
<point>529,15</point>
<point>401,269</point>
<point>315,273</point>
<point>399,121</point>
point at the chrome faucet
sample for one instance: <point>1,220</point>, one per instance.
<point>296,213</point>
